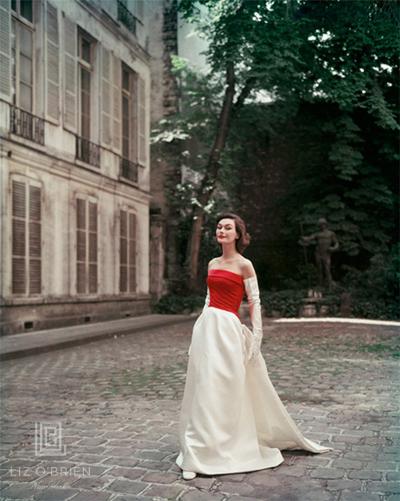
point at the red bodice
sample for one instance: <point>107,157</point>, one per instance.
<point>226,290</point>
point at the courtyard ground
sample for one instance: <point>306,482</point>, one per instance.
<point>114,405</point>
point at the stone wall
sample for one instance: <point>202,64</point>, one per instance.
<point>163,44</point>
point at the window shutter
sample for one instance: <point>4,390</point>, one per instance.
<point>142,121</point>
<point>116,103</point>
<point>52,63</point>
<point>123,252</point>
<point>70,71</point>
<point>35,268</point>
<point>133,129</point>
<point>5,50</point>
<point>80,246</point>
<point>132,252</point>
<point>92,247</point>
<point>18,237</point>
<point>26,62</point>
<point>106,119</point>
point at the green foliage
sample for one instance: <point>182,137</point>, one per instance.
<point>200,98</point>
<point>330,69</point>
<point>353,54</point>
<point>376,290</point>
<point>353,190</point>
<point>303,278</point>
<point>172,303</point>
<point>354,63</point>
<point>283,303</point>
<point>183,139</point>
<point>373,308</point>
<point>289,302</point>
<point>337,54</point>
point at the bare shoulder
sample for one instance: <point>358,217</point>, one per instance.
<point>247,268</point>
<point>212,261</point>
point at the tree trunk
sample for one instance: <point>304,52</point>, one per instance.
<point>210,177</point>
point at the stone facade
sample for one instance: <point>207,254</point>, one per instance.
<point>74,162</point>
<point>163,45</point>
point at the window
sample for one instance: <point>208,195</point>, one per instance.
<point>70,92</point>
<point>85,59</point>
<point>22,61</point>
<point>127,253</point>
<point>142,146</point>
<point>126,17</point>
<point>26,238</point>
<point>52,63</point>
<point>86,246</point>
<point>129,124</point>
<point>86,150</point>
<point>23,8</point>
<point>126,111</point>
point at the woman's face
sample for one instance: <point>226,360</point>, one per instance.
<point>226,231</point>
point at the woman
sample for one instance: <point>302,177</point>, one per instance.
<point>232,420</point>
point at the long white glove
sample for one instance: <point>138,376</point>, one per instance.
<point>253,298</point>
<point>207,301</point>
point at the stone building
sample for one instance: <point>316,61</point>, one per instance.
<point>163,44</point>
<point>170,35</point>
<point>74,161</point>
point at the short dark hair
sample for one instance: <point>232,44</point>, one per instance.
<point>244,238</point>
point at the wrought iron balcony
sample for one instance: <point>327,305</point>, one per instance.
<point>87,152</point>
<point>26,125</point>
<point>129,170</point>
<point>126,17</point>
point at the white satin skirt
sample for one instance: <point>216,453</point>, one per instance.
<point>232,419</point>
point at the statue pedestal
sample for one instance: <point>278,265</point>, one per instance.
<point>313,305</point>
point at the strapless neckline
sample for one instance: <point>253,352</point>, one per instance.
<point>226,271</point>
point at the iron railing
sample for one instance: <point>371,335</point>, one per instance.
<point>87,152</point>
<point>26,125</point>
<point>126,17</point>
<point>129,170</point>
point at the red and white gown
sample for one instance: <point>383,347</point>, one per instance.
<point>232,419</point>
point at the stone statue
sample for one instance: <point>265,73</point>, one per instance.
<point>326,244</point>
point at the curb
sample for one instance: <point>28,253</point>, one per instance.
<point>343,320</point>
<point>49,341</point>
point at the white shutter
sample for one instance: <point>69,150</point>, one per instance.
<point>106,117</point>
<point>92,247</point>
<point>70,72</point>
<point>133,125</point>
<point>132,252</point>
<point>26,238</point>
<point>52,63</point>
<point>35,246</point>
<point>117,99</point>
<point>19,244</point>
<point>5,50</point>
<point>81,246</point>
<point>142,122</point>
<point>123,252</point>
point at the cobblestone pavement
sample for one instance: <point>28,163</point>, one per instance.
<point>118,401</point>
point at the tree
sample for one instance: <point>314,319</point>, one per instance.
<point>240,44</point>
<point>334,51</point>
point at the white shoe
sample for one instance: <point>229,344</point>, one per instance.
<point>189,475</point>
